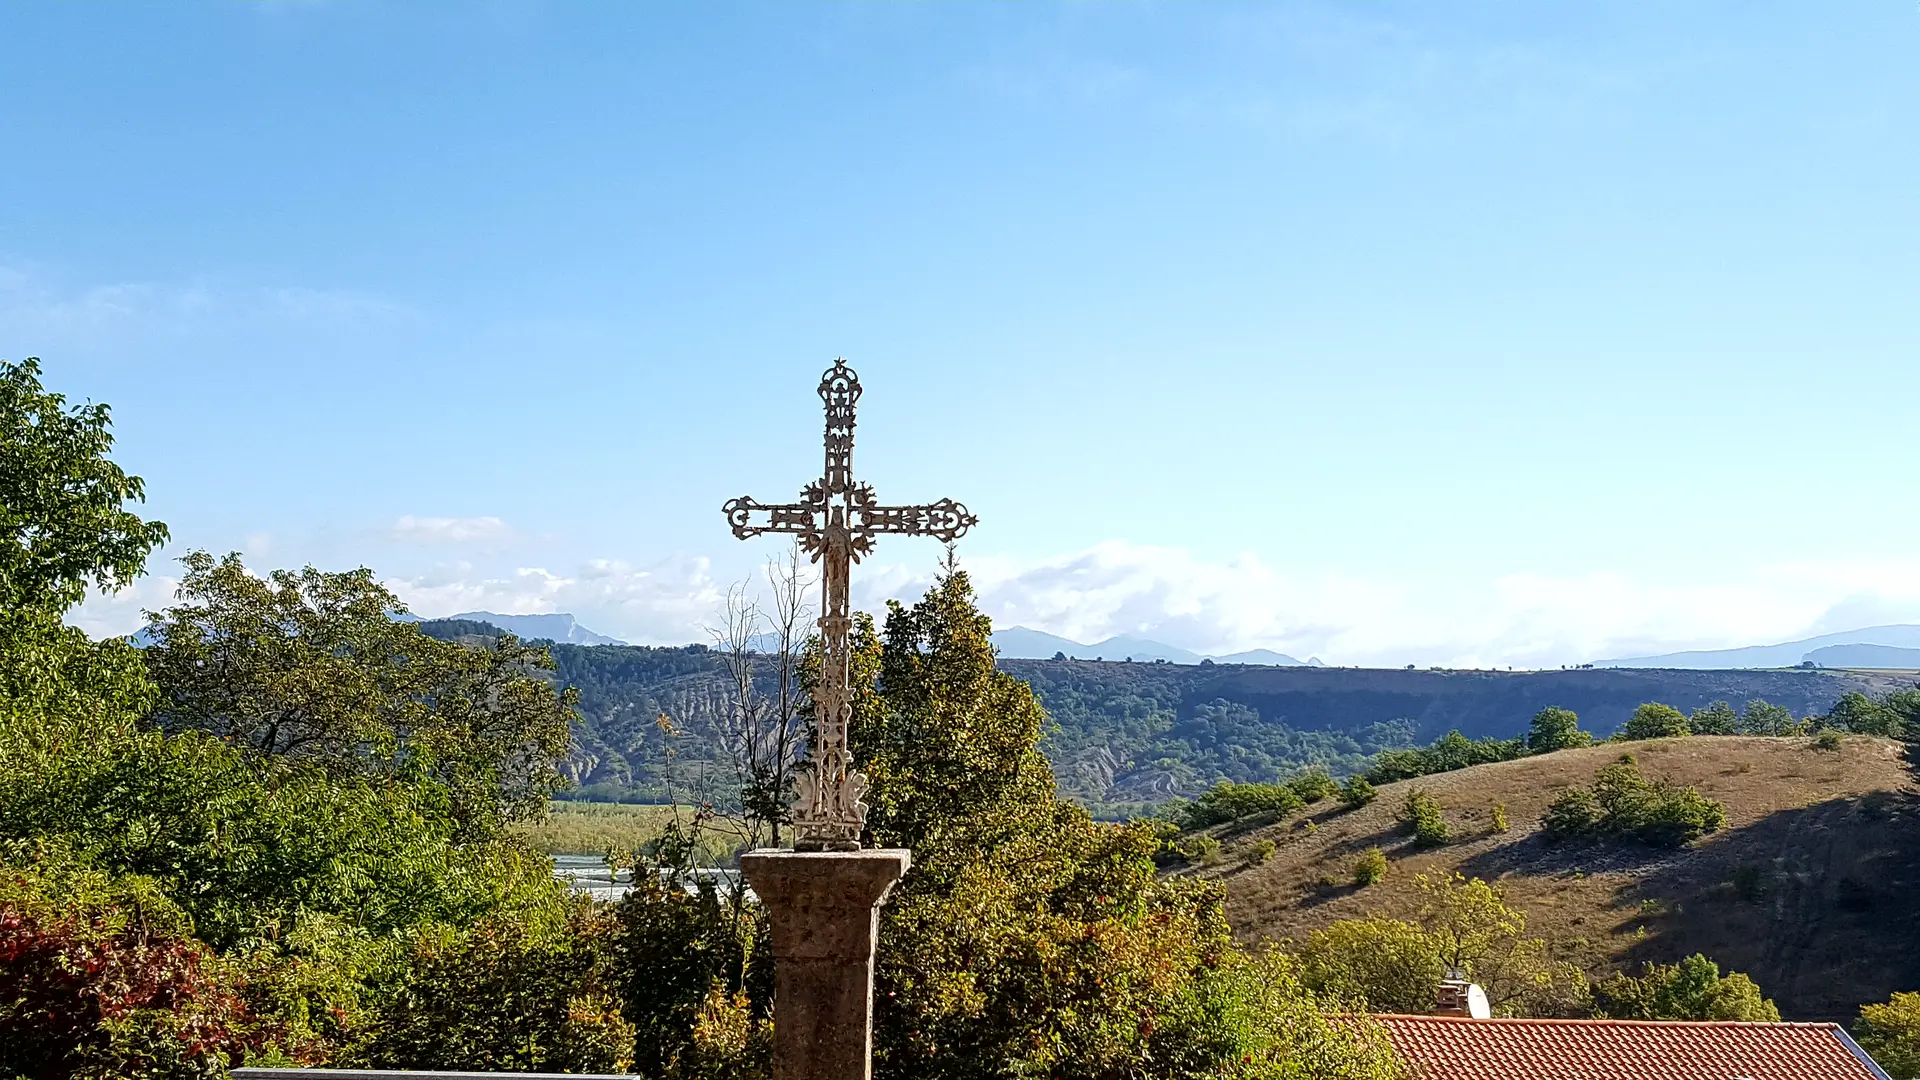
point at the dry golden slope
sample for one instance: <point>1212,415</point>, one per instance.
<point>1809,888</point>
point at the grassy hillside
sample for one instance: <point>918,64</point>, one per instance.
<point>1808,889</point>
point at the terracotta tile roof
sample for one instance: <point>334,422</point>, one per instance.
<point>1457,1048</point>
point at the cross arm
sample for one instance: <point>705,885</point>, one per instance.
<point>750,518</point>
<point>944,520</point>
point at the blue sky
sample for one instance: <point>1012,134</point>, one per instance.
<point>1477,333</point>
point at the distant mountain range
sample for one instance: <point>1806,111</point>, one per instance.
<point>1020,643</point>
<point>558,627</point>
<point>1872,647</point>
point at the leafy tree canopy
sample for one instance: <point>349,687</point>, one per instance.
<point>311,666</point>
<point>1029,939</point>
<point>1554,728</point>
<point>63,518</point>
<point>1890,1031</point>
<point>1692,989</point>
<point>1395,965</point>
<point>1655,720</point>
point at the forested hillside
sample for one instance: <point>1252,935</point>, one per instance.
<point>1125,735</point>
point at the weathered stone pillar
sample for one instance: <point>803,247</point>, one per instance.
<point>825,911</point>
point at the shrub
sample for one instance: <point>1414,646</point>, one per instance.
<point>1828,739</point>
<point>1228,801</point>
<point>690,966</point>
<point>1422,815</point>
<point>1370,867</point>
<point>1356,792</point>
<point>1500,823</point>
<point>1623,803</point>
<point>98,980</point>
<point>1555,728</point>
<point>1692,989</point>
<point>504,995</point>
<point>1449,752</point>
<point>1749,882</point>
<point>1575,813</point>
<point>1257,853</point>
<point>1891,1033</point>
<point>1313,785</point>
<point>1655,721</point>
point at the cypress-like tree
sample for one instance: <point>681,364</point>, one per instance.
<point>1028,939</point>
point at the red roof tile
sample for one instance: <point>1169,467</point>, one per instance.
<point>1457,1048</point>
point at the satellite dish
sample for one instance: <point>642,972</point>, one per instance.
<point>1477,1006</point>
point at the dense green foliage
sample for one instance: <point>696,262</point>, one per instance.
<point>1227,801</point>
<point>101,979</point>
<point>1395,965</point>
<point>1029,939</point>
<point>1451,751</point>
<point>1357,792</point>
<point>309,666</point>
<point>1554,728</point>
<point>64,523</point>
<point>1692,989</point>
<point>1655,720</point>
<point>1369,868</point>
<point>1890,1031</point>
<point>1622,803</point>
<point>1895,714</point>
<point>1422,817</point>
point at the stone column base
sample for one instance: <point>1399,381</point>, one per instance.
<point>825,910</point>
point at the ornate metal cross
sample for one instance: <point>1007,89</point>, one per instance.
<point>836,520</point>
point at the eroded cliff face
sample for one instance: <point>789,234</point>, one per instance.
<point>1129,733</point>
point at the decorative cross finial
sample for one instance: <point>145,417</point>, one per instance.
<point>836,521</point>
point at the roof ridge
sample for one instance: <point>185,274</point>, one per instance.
<point>1604,1021</point>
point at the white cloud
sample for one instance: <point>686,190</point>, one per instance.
<point>668,602</point>
<point>447,530</point>
<point>1214,606</point>
<point>1523,620</point>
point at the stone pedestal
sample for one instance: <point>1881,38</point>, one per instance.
<point>825,911</point>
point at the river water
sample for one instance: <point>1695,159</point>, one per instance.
<point>589,874</point>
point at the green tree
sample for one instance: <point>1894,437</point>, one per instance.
<point>1890,1031</point>
<point>310,666</point>
<point>64,524</point>
<point>1715,719</point>
<point>1692,989</point>
<point>1762,717</point>
<point>1858,713</point>
<point>501,995</point>
<point>1029,940</point>
<point>1655,721</point>
<point>1555,728</point>
<point>64,527</point>
<point>1395,965</point>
